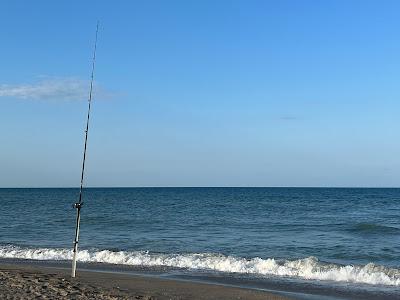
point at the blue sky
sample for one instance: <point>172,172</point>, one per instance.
<point>201,93</point>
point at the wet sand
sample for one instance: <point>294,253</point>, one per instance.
<point>34,282</point>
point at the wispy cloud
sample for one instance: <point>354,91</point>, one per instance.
<point>51,89</point>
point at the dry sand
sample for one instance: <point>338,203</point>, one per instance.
<point>33,282</point>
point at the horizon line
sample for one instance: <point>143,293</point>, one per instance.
<point>144,187</point>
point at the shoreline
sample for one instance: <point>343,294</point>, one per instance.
<point>107,281</point>
<point>27,281</point>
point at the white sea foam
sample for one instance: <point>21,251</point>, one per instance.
<point>307,268</point>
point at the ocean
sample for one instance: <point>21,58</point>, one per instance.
<point>343,242</point>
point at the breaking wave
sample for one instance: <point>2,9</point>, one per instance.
<point>308,268</point>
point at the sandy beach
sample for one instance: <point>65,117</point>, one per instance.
<point>34,282</point>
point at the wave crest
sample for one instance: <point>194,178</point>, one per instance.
<point>308,268</point>
<point>372,228</point>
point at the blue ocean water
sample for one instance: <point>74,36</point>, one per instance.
<point>329,235</point>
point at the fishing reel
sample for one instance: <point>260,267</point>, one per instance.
<point>77,205</point>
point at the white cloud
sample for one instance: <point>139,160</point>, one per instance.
<point>50,89</point>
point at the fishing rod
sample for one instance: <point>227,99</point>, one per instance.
<point>78,205</point>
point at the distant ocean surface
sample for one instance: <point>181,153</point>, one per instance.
<point>329,236</point>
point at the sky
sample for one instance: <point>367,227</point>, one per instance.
<point>201,93</point>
